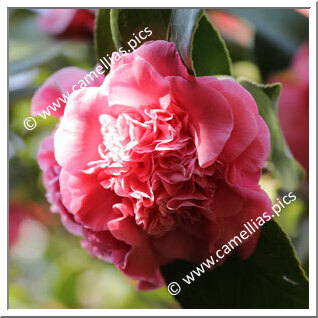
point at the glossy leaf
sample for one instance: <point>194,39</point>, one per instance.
<point>126,25</point>
<point>202,49</point>
<point>271,278</point>
<point>102,36</point>
<point>184,23</point>
<point>209,53</point>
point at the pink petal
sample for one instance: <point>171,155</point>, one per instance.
<point>180,245</point>
<point>125,229</point>
<point>210,113</point>
<point>247,168</point>
<point>87,200</point>
<point>256,203</point>
<point>45,155</point>
<point>227,201</point>
<point>233,90</point>
<point>136,84</point>
<point>142,263</point>
<point>102,244</point>
<point>166,61</point>
<point>244,109</point>
<point>78,136</point>
<point>55,86</point>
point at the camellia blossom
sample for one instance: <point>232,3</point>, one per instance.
<point>156,165</point>
<point>293,108</point>
<point>67,22</point>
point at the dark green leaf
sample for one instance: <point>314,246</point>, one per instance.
<point>128,23</point>
<point>102,36</point>
<point>184,23</point>
<point>209,53</point>
<point>199,43</point>
<point>288,170</point>
<point>271,278</point>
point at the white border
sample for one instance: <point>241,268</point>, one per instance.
<point>165,312</point>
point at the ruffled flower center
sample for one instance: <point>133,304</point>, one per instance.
<point>149,156</point>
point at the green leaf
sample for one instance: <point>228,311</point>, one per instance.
<point>271,278</point>
<point>287,169</point>
<point>103,41</point>
<point>127,23</point>
<point>279,33</point>
<point>184,23</point>
<point>209,53</point>
<point>201,48</point>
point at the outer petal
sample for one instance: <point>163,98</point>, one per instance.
<point>142,263</point>
<point>180,245</point>
<point>256,203</point>
<point>69,222</point>
<point>87,200</point>
<point>227,201</point>
<point>78,136</point>
<point>102,244</point>
<point>210,113</point>
<point>244,109</point>
<point>247,168</point>
<point>45,155</point>
<point>232,89</point>
<point>57,88</point>
<point>126,229</point>
<point>166,61</point>
<point>136,84</point>
<point>50,177</point>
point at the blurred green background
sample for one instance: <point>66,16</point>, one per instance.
<point>47,266</point>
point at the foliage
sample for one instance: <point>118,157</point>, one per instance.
<point>271,278</point>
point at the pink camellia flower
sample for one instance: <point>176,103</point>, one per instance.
<point>78,23</point>
<point>293,108</point>
<point>155,165</point>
